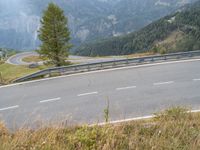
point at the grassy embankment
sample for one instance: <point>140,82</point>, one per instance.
<point>173,129</point>
<point>10,72</point>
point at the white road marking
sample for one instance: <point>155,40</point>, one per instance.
<point>107,70</point>
<point>125,88</point>
<point>196,79</point>
<point>163,83</point>
<point>86,94</point>
<point>124,120</point>
<point>50,100</point>
<point>8,108</point>
<point>194,111</point>
<point>135,119</point>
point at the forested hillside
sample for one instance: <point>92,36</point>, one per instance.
<point>88,19</point>
<point>176,32</point>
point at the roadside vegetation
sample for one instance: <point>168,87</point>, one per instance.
<point>172,129</point>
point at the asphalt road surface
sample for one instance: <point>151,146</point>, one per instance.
<point>17,59</point>
<point>82,98</point>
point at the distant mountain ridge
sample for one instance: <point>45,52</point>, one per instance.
<point>88,20</point>
<point>177,32</point>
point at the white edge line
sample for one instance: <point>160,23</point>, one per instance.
<point>134,119</point>
<point>85,94</point>
<point>125,88</point>
<point>162,83</point>
<point>194,111</point>
<point>7,108</point>
<point>50,100</point>
<point>124,120</point>
<point>107,70</point>
<point>196,79</point>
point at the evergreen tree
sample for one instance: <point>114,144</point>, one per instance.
<point>54,35</point>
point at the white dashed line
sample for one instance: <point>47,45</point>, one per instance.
<point>125,88</point>
<point>163,83</point>
<point>196,79</point>
<point>86,94</point>
<point>8,108</point>
<point>50,100</point>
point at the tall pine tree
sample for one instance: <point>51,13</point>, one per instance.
<point>54,35</point>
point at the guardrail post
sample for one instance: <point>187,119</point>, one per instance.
<point>127,62</point>
<point>49,73</point>
<point>61,71</point>
<point>1,77</point>
<point>141,60</point>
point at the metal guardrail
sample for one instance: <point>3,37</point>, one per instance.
<point>108,64</point>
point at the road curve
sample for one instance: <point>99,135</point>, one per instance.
<point>82,98</point>
<point>18,59</point>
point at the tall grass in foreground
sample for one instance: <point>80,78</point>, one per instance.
<point>172,129</point>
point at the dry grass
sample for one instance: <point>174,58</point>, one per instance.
<point>135,55</point>
<point>173,129</point>
<point>33,59</point>
<point>140,55</point>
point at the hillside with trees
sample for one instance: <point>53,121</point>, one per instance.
<point>88,19</point>
<point>176,32</point>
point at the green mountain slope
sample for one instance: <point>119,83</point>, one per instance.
<point>88,19</point>
<point>176,32</point>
